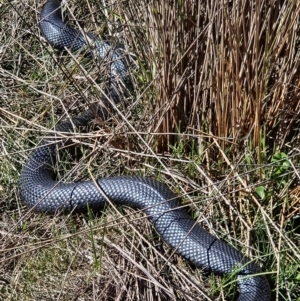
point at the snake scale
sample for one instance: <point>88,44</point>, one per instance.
<point>40,191</point>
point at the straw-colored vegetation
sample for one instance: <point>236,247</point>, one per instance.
<point>214,114</point>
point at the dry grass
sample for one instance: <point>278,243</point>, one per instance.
<point>214,114</point>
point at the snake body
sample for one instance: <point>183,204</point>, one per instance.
<point>40,191</point>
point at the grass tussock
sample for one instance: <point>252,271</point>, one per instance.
<point>213,113</point>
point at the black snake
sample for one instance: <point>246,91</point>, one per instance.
<point>40,191</point>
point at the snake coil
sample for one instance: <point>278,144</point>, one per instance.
<point>40,191</point>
